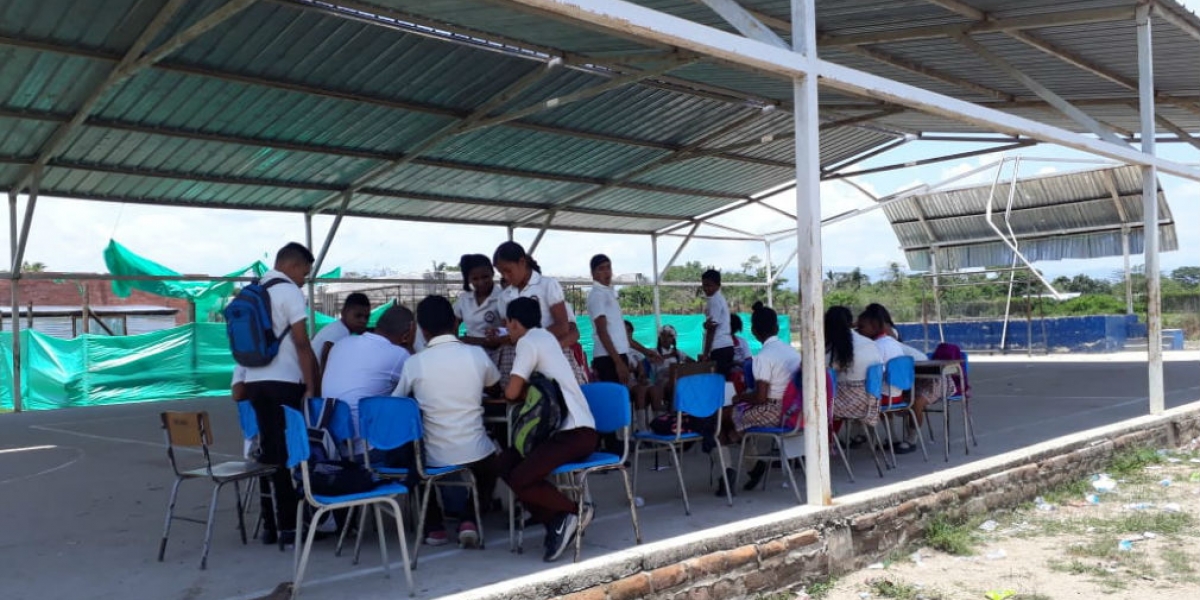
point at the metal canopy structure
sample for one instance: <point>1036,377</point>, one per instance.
<point>594,115</point>
<point>1085,214</point>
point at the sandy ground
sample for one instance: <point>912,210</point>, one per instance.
<point>1068,547</point>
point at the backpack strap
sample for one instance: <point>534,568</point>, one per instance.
<point>326,413</point>
<point>267,287</point>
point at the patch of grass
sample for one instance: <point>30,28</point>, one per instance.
<point>776,596</point>
<point>951,537</point>
<point>1163,523</point>
<point>820,589</point>
<point>899,590</point>
<point>1104,547</point>
<point>1034,596</point>
<point>1067,492</point>
<point>1133,461</point>
<point>1178,562</point>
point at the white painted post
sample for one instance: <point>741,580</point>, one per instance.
<point>1150,210</point>
<point>312,288</point>
<point>770,276</point>
<point>808,240</point>
<point>657,301</point>
<point>1128,274</point>
<point>16,302</point>
<point>937,298</point>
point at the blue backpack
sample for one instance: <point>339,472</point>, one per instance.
<point>248,324</point>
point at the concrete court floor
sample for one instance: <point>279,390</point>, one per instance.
<point>83,493</point>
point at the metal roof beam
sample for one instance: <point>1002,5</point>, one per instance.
<point>962,8</point>
<point>1115,228</point>
<point>746,23</point>
<point>1181,22</point>
<point>927,161</point>
<point>1110,182</point>
<point>1039,21</point>
<point>133,61</point>
<point>929,72</point>
<point>1180,132</point>
<point>1042,91</point>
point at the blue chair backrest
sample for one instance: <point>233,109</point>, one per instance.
<point>247,419</point>
<point>296,436</point>
<point>341,425</point>
<point>901,372</point>
<point>748,372</point>
<point>874,382</point>
<point>609,403</point>
<point>832,383</point>
<point>700,395</point>
<point>387,422</point>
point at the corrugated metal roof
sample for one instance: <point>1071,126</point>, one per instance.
<point>1071,215</point>
<point>291,101</point>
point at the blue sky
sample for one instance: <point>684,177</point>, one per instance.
<point>70,235</point>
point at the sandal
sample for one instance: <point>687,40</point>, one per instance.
<point>903,448</point>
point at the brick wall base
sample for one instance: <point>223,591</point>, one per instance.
<point>807,544</point>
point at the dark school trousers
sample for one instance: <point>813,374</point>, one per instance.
<point>268,399</point>
<point>724,359</point>
<point>606,368</point>
<point>486,471</point>
<point>527,477</point>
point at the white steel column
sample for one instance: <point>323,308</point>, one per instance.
<point>312,288</point>
<point>16,301</point>
<point>808,239</point>
<point>937,299</point>
<point>1150,210</point>
<point>657,301</point>
<point>1128,274</point>
<point>770,276</point>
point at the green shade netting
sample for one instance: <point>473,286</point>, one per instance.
<point>208,296</point>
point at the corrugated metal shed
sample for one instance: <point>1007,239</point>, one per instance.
<point>1073,215</point>
<point>287,103</point>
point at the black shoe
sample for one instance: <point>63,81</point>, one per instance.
<point>903,448</point>
<point>756,475</point>
<point>730,474</point>
<point>270,538</point>
<point>560,535</point>
<point>287,538</point>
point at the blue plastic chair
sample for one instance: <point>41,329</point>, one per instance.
<point>341,423</point>
<point>700,396</point>
<point>874,387</point>
<point>613,413</point>
<point>248,421</point>
<point>385,494</point>
<point>387,423</point>
<point>900,373</point>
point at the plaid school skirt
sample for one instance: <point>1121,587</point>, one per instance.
<point>853,402</point>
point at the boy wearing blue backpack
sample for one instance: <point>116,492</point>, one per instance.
<point>282,369</point>
<point>525,470</point>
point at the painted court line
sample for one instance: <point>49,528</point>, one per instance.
<point>74,459</point>
<point>105,438</point>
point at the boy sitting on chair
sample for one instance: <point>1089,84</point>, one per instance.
<point>447,380</point>
<point>537,350</point>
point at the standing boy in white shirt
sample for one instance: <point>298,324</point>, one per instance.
<point>718,339</point>
<point>286,381</point>
<point>610,342</point>
<point>539,351</point>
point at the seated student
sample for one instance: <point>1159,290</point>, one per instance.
<point>718,342</point>
<point>641,388</point>
<point>849,354</point>
<point>447,379</point>
<point>610,340</point>
<point>669,354</point>
<point>370,364</point>
<point>356,311</point>
<point>774,367</point>
<point>741,348</point>
<point>873,323</point>
<point>539,351</point>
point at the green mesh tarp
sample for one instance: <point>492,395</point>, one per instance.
<point>193,361</point>
<point>208,296</point>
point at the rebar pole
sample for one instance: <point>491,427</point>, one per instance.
<point>1150,211</point>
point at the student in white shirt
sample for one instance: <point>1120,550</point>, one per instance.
<point>287,380</point>
<point>718,341</point>
<point>478,305</point>
<point>448,379</point>
<point>610,342</point>
<point>539,351</point>
<point>849,355</point>
<point>525,280</point>
<point>874,323</point>
<point>774,367</point>
<point>368,365</point>
<point>356,311</point>
<point>741,348</point>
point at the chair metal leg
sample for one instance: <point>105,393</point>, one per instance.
<point>787,469</point>
<point>162,545</point>
<point>946,431</point>
<point>237,490</point>
<point>358,538</point>
<point>403,545</point>
<point>297,545</point>
<point>208,524</point>
<point>725,475</point>
<point>872,441</point>
<point>345,528</point>
<point>304,554</point>
<point>637,454</point>
<point>478,515</point>
<point>637,529</point>
<point>842,453</point>
<point>512,525</point>
<point>425,489</point>
<point>687,507</point>
<point>387,570</point>
<point>920,438</point>
<point>579,511</point>
<point>886,417</point>
<point>737,473</point>
<point>248,504</point>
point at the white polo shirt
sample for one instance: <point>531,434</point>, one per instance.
<point>545,290</point>
<point>717,311</point>
<point>447,380</point>
<point>479,317</point>
<point>775,365</point>
<point>362,366</point>
<point>538,350</point>
<point>866,353</point>
<point>288,307</point>
<point>332,333</point>
<point>602,302</point>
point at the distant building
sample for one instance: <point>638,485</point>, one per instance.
<point>58,307</point>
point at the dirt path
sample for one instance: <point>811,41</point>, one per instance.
<point>1139,541</point>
